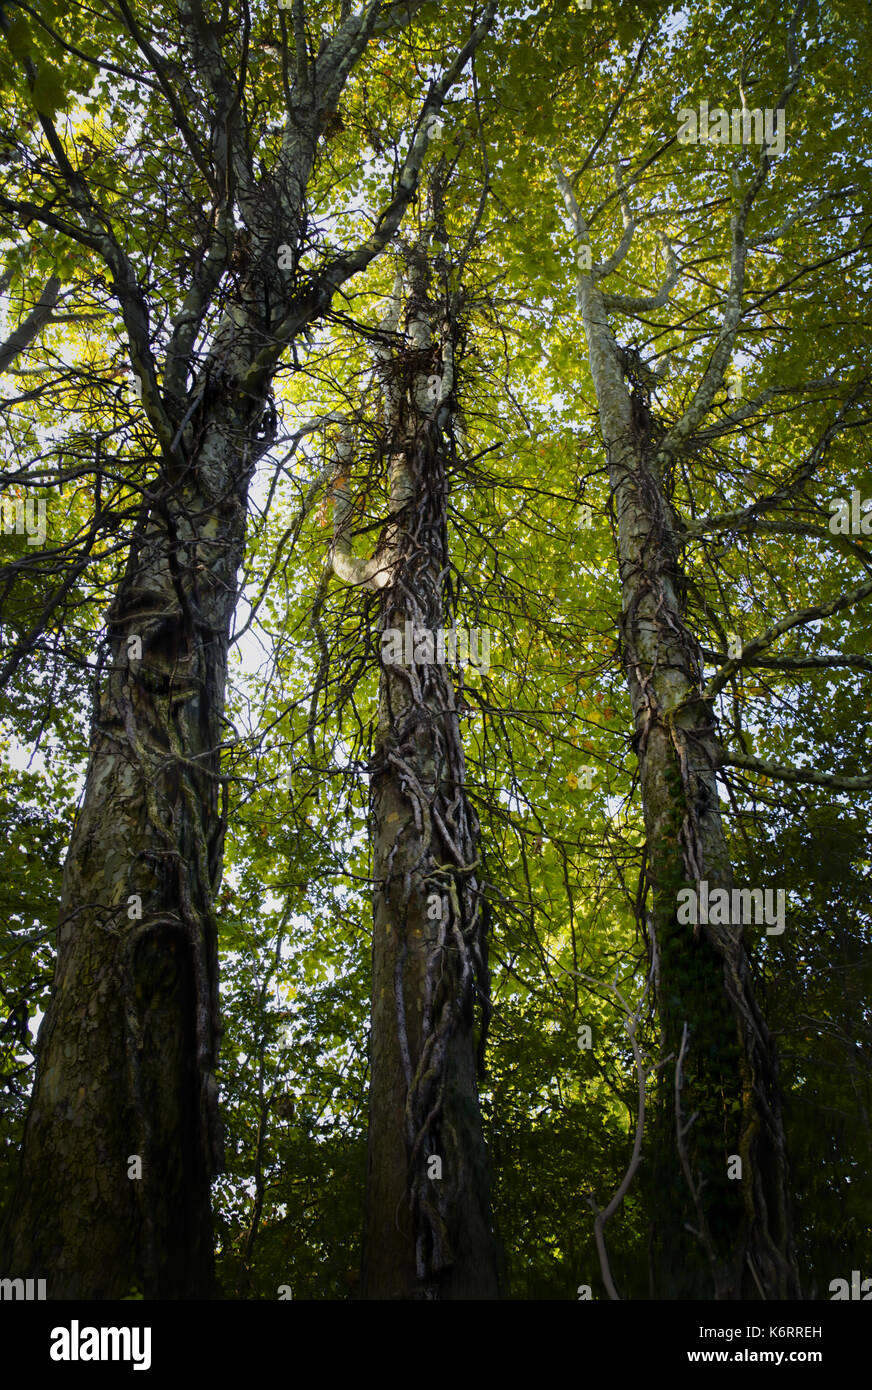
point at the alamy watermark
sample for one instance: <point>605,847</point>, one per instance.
<point>720,907</point>
<point>75,1343</point>
<point>847,517</point>
<point>735,127</point>
<point>424,646</point>
<point>859,1290</point>
<point>24,515</point>
<point>22,1288</point>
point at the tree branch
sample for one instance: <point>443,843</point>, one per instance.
<point>29,327</point>
<point>713,376</point>
<point>771,634</point>
<point>751,407</point>
<point>125,285</point>
<point>744,515</point>
<point>319,298</point>
<point>640,304</point>
<point>797,775</point>
<point>830,661</point>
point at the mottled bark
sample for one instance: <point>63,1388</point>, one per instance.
<point>711,1236</point>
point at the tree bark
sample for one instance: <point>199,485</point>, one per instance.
<point>427,1228</point>
<point>711,1236</point>
<point>128,1046</point>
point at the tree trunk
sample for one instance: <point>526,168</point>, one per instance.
<point>427,1222</point>
<point>127,1049</point>
<point>740,1243</point>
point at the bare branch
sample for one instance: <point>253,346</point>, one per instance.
<point>639,304</point>
<point>744,516</point>
<point>779,772</point>
<point>771,634</point>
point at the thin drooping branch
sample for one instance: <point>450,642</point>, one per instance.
<point>746,516</point>
<point>631,1024</point>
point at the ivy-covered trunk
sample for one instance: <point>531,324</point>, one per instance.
<point>713,1235</point>
<point>427,1222</point>
<point>718,1230</point>
<point>122,1136</point>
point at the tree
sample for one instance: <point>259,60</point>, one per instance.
<point>427,1231</point>
<point>722,1101</point>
